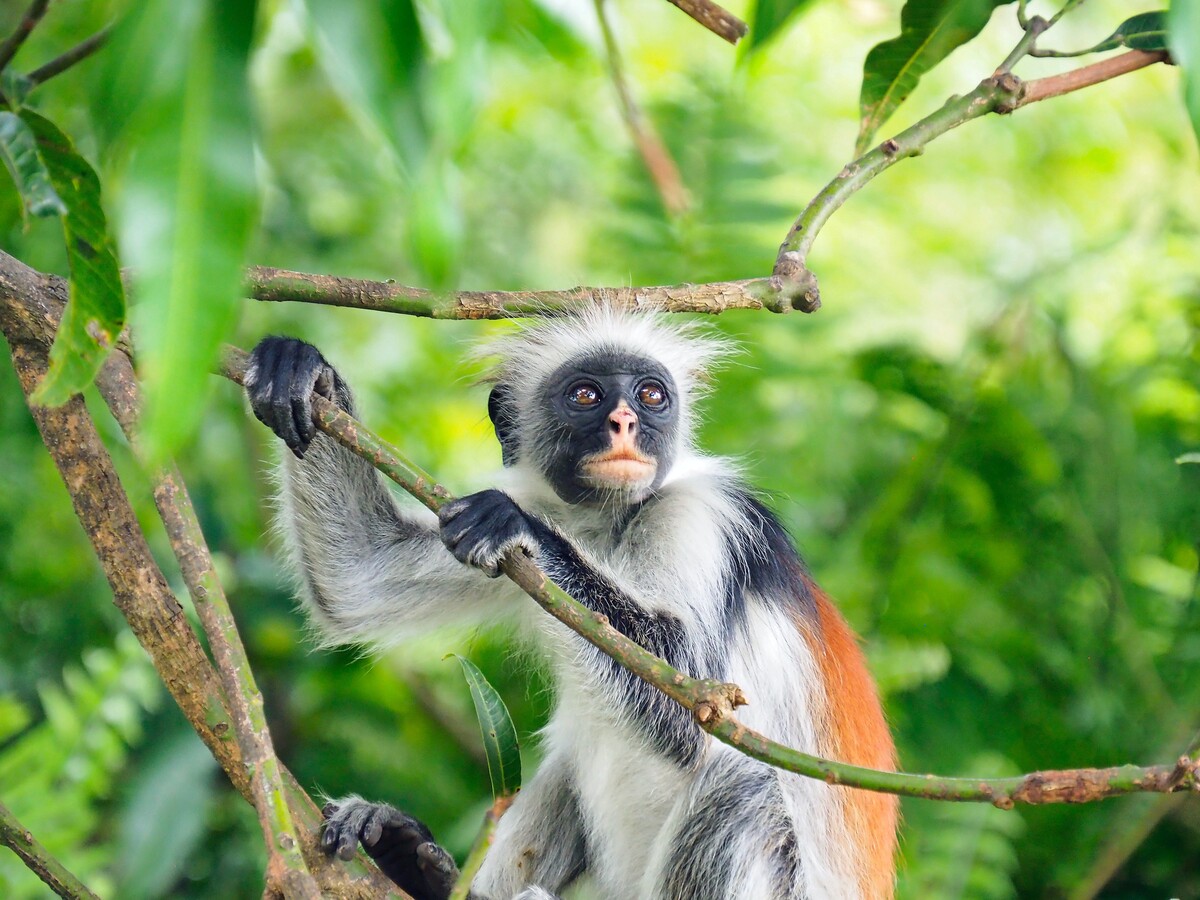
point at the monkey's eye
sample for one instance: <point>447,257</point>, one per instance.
<point>652,394</point>
<point>584,394</point>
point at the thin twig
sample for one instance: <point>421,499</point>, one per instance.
<point>712,702</point>
<point>655,156</point>
<point>1065,83</point>
<point>39,861</point>
<point>24,28</point>
<point>716,19</point>
<point>76,54</point>
<point>479,849</point>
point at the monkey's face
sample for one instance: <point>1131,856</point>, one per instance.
<point>607,428</point>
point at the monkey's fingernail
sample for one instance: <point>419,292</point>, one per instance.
<point>373,833</point>
<point>328,809</point>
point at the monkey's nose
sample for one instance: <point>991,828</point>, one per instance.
<point>623,421</point>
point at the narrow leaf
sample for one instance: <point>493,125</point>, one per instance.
<point>929,31</point>
<point>1183,20</point>
<point>499,735</point>
<point>188,201</point>
<point>1145,31</point>
<point>1193,458</point>
<point>19,149</point>
<point>95,312</point>
<point>769,18</point>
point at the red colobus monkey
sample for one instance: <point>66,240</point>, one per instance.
<point>605,489</point>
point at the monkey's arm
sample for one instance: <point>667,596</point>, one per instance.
<point>478,528</point>
<point>369,573</point>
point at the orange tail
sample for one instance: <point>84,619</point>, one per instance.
<point>858,734</point>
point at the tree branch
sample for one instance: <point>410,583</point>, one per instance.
<point>31,307</point>
<point>24,28</point>
<point>287,874</point>
<point>655,156</point>
<point>266,283</point>
<point>38,860</point>
<point>712,702</point>
<point>716,19</point>
<point>1003,92</point>
<point>1065,83</point>
<point>76,54</point>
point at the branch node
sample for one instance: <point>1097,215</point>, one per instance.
<point>795,285</point>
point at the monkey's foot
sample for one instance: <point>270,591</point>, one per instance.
<point>401,846</point>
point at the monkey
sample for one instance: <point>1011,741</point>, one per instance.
<point>604,486</point>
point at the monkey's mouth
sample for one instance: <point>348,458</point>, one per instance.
<point>620,469</point>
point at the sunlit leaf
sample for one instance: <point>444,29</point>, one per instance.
<point>188,200</point>
<point>19,151</point>
<point>1185,459</point>
<point>1146,31</point>
<point>929,31</point>
<point>769,17</point>
<point>499,735</point>
<point>1183,20</point>
<point>95,312</point>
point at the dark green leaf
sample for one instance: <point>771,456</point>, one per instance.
<point>499,734</point>
<point>929,31</point>
<point>95,312</point>
<point>16,86</point>
<point>188,200</point>
<point>1184,22</point>
<point>769,18</point>
<point>19,149</point>
<point>1145,31</point>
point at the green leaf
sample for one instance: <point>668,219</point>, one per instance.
<point>1185,459</point>
<point>1183,20</point>
<point>95,312</point>
<point>372,54</point>
<point>1145,31</point>
<point>769,18</point>
<point>19,149</point>
<point>16,86</point>
<point>929,31</point>
<point>499,735</point>
<point>189,201</point>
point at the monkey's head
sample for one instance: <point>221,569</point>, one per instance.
<point>600,403</point>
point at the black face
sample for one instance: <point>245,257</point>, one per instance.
<point>605,426</point>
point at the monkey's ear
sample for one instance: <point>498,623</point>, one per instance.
<point>503,413</point>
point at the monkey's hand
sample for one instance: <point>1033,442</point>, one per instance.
<point>280,380</point>
<point>482,528</point>
<point>401,846</point>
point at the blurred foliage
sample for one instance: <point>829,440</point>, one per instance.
<point>974,442</point>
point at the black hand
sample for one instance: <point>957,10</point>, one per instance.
<point>280,380</point>
<point>482,528</point>
<point>401,846</point>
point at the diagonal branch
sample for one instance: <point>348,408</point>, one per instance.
<point>712,702</point>
<point>24,28</point>
<point>1003,92</point>
<point>287,873</point>
<point>716,19</point>
<point>31,306</point>
<point>76,54</point>
<point>39,861</point>
<point>655,156</point>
